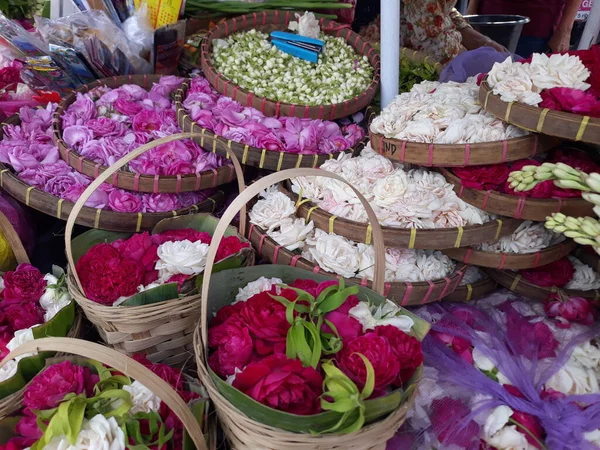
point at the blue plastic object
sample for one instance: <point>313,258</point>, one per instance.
<point>294,50</point>
<point>291,37</point>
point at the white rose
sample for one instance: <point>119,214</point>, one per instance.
<point>269,211</point>
<point>593,437</point>
<point>385,314</point>
<point>512,81</point>
<point>588,355</point>
<point>510,438</point>
<point>574,379</point>
<point>100,433</point>
<point>424,130</point>
<point>425,87</point>
<point>557,70</point>
<point>497,419</point>
<point>144,400</point>
<point>584,277</point>
<point>472,275</point>
<point>8,370</point>
<point>433,265</point>
<point>483,363</point>
<point>1,284</point>
<point>21,337</point>
<point>53,300</point>
<point>308,187</point>
<point>389,190</point>
<point>180,257</point>
<point>334,254</point>
<point>256,287</point>
<point>376,167</point>
<point>307,25</point>
<point>292,233</point>
<point>529,237</point>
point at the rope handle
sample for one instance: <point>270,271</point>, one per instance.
<point>249,193</point>
<point>124,364</point>
<point>13,239</point>
<point>118,165</point>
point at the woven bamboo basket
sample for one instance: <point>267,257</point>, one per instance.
<point>511,261</point>
<point>433,239</point>
<point>164,330</point>
<point>402,293</point>
<point>129,367</point>
<point>245,433</point>
<point>541,120</point>
<point>588,256</point>
<point>468,292</point>
<point>248,155</point>
<point>516,283</point>
<point>123,178</point>
<point>268,21</point>
<point>458,155</point>
<point>92,217</point>
<point>536,209</point>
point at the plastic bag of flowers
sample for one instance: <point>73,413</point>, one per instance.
<point>33,305</point>
<point>101,399</point>
<point>141,290</point>
<point>294,359</point>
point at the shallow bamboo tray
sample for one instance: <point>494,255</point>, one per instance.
<point>458,155</point>
<point>123,178</point>
<point>248,155</point>
<point>278,20</point>
<point>469,292</point>
<point>536,209</point>
<point>402,293</point>
<point>434,239</point>
<point>511,261</point>
<point>560,124</point>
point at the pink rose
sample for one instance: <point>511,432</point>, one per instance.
<point>271,122</point>
<point>39,176</point>
<point>172,158</point>
<point>135,92</point>
<point>31,156</point>
<point>146,121</point>
<point>104,126</point>
<point>200,84</point>
<point>571,100</point>
<point>232,118</point>
<point>200,100</point>
<point>572,309</point>
<point>333,144</point>
<point>58,185</point>
<point>226,104</point>
<point>233,347</point>
<point>97,151</point>
<point>24,284</point>
<point>80,111</point>
<point>169,83</point>
<point>188,199</point>
<point>127,107</point>
<point>77,135</point>
<point>99,199</point>
<point>238,134</point>
<point>38,117</point>
<point>123,201</point>
<point>270,141</point>
<point>156,101</point>
<point>160,202</point>
<point>203,118</point>
<point>353,133</point>
<point>347,327</point>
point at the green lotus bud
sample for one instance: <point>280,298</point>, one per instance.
<point>529,168</point>
<point>567,169</point>
<point>570,184</point>
<point>591,197</point>
<point>546,167</point>
<point>559,217</point>
<point>575,234</point>
<point>593,181</point>
<point>585,241</point>
<point>563,175</point>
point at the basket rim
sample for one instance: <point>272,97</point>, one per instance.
<point>521,204</point>
<point>582,125</point>
<point>250,20</point>
<point>122,178</point>
<point>503,260</point>
<point>487,285</point>
<point>452,236</point>
<point>448,284</point>
<point>285,159</point>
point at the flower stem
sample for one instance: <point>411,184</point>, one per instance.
<point>528,431</point>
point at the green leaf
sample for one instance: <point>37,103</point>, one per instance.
<point>323,295</point>
<point>289,312</point>
<point>317,347</point>
<point>334,301</point>
<point>158,294</point>
<point>303,350</point>
<point>370,382</point>
<point>199,408</point>
<point>302,295</point>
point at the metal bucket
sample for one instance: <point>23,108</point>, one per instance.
<point>504,29</point>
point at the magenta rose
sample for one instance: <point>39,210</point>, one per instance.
<point>380,354</point>
<point>181,234</point>
<point>571,309</point>
<point>270,141</point>
<point>266,320</point>
<point>103,126</point>
<point>233,347</point>
<point>483,177</point>
<point>48,388</point>
<point>347,327</point>
<point>407,349</point>
<point>24,284</point>
<point>123,201</point>
<point>127,107</point>
<point>24,315</point>
<point>77,135</point>
<point>534,340</point>
<point>146,121</point>
<point>282,384</point>
<point>160,202</point>
<point>558,274</point>
<point>28,427</point>
<point>571,100</point>
<point>541,190</point>
<point>140,248</point>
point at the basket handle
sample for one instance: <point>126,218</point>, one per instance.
<point>12,237</point>
<point>118,165</point>
<point>123,364</point>
<point>249,193</point>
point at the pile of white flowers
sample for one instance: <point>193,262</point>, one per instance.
<point>516,82</point>
<point>414,199</point>
<point>276,213</point>
<point>530,237</point>
<point>441,113</point>
<point>472,275</point>
<point>249,60</point>
<point>584,278</point>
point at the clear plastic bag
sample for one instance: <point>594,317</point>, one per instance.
<point>138,28</point>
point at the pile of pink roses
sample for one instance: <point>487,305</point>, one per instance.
<point>29,149</point>
<point>246,125</point>
<point>105,124</point>
<point>136,418</point>
<point>250,341</point>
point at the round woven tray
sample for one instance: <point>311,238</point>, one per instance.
<point>123,178</point>
<point>516,283</point>
<point>402,293</point>
<point>268,21</point>
<point>511,261</point>
<point>248,155</point>
<point>469,292</point>
<point>536,209</point>
<point>432,239</point>
<point>458,155</point>
<point>541,120</point>
<point>92,217</point>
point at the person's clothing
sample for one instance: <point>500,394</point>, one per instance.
<point>429,26</point>
<point>545,15</point>
<point>528,45</point>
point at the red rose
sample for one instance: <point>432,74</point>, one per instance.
<point>282,384</point>
<point>139,247</point>
<point>266,322</point>
<point>558,274</point>
<point>24,284</point>
<point>233,346</point>
<point>227,312</point>
<point>575,158</point>
<point>571,100</point>
<point>572,309</point>
<point>378,351</point>
<point>407,350</point>
<point>531,423</point>
<point>306,285</point>
<point>105,276</point>
<point>230,246</point>
<point>28,427</point>
<point>24,315</point>
<point>6,335</point>
<point>182,234</point>
<point>483,177</point>
<point>167,373</point>
<point>347,327</point>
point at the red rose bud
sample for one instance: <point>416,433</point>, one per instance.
<point>558,274</point>
<point>282,384</point>
<point>532,424</point>
<point>572,309</point>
